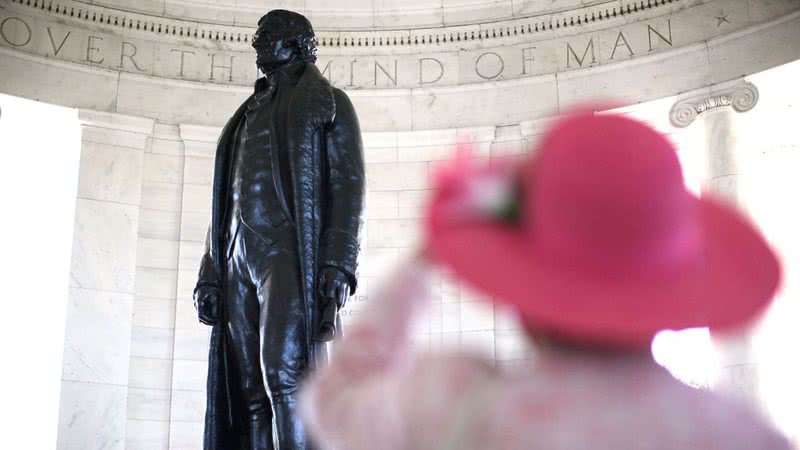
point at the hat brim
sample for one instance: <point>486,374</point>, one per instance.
<point>730,282</point>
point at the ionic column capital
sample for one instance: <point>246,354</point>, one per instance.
<point>741,96</point>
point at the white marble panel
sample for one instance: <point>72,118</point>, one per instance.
<point>393,233</point>
<point>763,10</point>
<point>162,196</point>
<point>189,375</point>
<point>187,280</point>
<point>185,435</point>
<point>153,97</point>
<point>76,86</point>
<point>412,203</point>
<point>200,149</point>
<point>150,373</point>
<point>382,204</point>
<point>380,154</point>
<point>383,111</point>
<point>451,317</point>
<point>220,11</point>
<point>92,416</point>
<point>190,254</point>
<point>194,226</point>
<point>498,102</point>
<point>397,176</point>
<point>188,406</point>
<point>144,6</point>
<point>199,170</point>
<point>512,345</point>
<point>105,134</point>
<point>376,262</point>
<point>764,49</point>
<point>186,315</point>
<point>435,318</point>
<point>248,12</point>
<point>662,76</point>
<point>152,342</point>
<point>192,343</point>
<point>379,139</point>
<point>167,147</point>
<point>460,11</point>
<point>427,152</point>
<point>197,198</point>
<point>509,148</point>
<point>156,224</point>
<point>447,342</point>
<point>427,138</point>
<point>146,435</point>
<point>98,336</point>
<point>156,283</point>
<point>480,342</point>
<point>163,169</point>
<point>333,18</point>
<point>197,134</point>
<point>116,129</point>
<point>477,316</point>
<point>413,13</point>
<point>451,290</point>
<point>148,404</point>
<point>157,253</point>
<point>110,173</point>
<point>154,312</point>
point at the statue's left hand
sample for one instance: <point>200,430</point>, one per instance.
<point>334,285</point>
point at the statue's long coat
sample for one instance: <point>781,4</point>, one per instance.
<point>320,178</point>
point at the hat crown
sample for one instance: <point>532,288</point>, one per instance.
<point>608,190</point>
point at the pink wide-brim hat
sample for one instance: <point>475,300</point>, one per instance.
<point>610,246</point>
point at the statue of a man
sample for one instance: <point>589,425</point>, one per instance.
<point>288,194</point>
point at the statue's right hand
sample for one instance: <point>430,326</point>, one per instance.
<point>206,301</point>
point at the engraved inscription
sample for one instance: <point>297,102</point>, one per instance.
<point>589,48</point>
<point>225,65</point>
<point>440,68</point>
<point>652,31</point>
<point>489,73</point>
<point>621,42</point>
<point>183,59</point>
<point>7,31</point>
<point>129,51</point>
<point>57,50</point>
<point>92,51</point>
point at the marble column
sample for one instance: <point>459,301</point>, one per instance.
<point>100,307</point>
<point>153,333</point>
<point>724,158</point>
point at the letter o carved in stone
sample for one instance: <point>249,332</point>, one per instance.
<point>485,76</point>
<point>27,40</point>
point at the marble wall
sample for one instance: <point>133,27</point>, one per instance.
<point>135,355</point>
<point>98,344</point>
<point>135,358</point>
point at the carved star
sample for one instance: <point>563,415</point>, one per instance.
<point>722,18</point>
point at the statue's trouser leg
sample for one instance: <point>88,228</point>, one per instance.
<point>243,310</point>
<point>284,353</point>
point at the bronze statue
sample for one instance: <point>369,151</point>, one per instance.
<point>287,199</point>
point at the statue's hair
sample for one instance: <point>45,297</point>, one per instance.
<point>296,28</point>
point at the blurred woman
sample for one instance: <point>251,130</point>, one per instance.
<point>597,245</point>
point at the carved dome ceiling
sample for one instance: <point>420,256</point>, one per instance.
<point>353,14</point>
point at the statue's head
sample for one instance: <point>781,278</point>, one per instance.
<point>282,37</point>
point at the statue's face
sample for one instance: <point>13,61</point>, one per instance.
<point>273,49</point>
